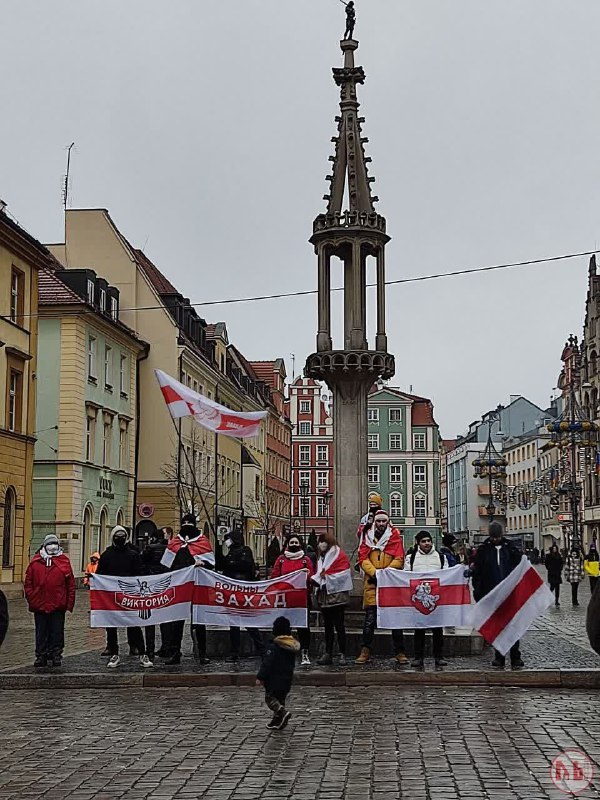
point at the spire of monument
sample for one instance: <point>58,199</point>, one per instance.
<point>349,162</point>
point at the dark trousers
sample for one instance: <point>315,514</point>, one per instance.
<point>438,642</point>
<point>276,702</point>
<point>574,590</point>
<point>49,633</point>
<point>235,638</point>
<point>555,587</point>
<point>369,631</point>
<point>515,653</point>
<point>333,620</point>
<point>150,636</point>
<point>175,637</point>
<point>593,582</point>
<point>135,638</point>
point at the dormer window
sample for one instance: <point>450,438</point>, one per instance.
<point>102,299</point>
<point>91,292</point>
<point>114,308</point>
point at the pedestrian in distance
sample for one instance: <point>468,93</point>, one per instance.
<point>91,568</point>
<point>425,558</point>
<point>494,560</point>
<point>380,547</point>
<point>292,559</point>
<point>332,585</point>
<point>121,559</point>
<point>151,558</point>
<point>277,671</point>
<point>50,592</point>
<point>574,572</point>
<point>554,566</point>
<point>447,548</point>
<point>592,566</point>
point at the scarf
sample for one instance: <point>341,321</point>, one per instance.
<point>333,571</point>
<point>199,547</point>
<point>390,542</point>
<point>47,557</point>
<point>293,556</point>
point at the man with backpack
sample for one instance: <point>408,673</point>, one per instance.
<point>425,558</point>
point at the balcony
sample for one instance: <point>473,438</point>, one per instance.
<point>499,512</point>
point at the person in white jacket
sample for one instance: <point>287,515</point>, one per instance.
<point>425,558</point>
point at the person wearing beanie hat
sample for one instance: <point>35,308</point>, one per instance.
<point>447,548</point>
<point>366,522</point>
<point>380,547</point>
<point>49,588</point>
<point>277,671</point>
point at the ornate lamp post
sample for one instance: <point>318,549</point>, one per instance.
<point>491,464</point>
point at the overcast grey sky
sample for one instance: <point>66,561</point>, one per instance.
<point>204,127</point>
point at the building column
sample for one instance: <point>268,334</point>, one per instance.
<point>381,338</point>
<point>324,304</point>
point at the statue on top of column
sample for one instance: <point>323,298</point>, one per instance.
<point>350,20</point>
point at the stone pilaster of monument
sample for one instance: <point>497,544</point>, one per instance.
<point>352,234</point>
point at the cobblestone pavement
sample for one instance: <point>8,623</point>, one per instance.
<point>340,744</point>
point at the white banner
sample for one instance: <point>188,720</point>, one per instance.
<point>435,599</point>
<point>139,601</point>
<point>246,604</point>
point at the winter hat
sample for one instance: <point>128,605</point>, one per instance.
<point>188,520</point>
<point>422,535</point>
<point>448,539</point>
<point>119,530</point>
<point>381,514</point>
<point>50,539</point>
<point>282,627</point>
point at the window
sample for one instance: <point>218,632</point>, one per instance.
<point>419,473</point>
<point>322,507</point>
<point>114,308</point>
<point>395,415</point>
<point>305,506</point>
<point>108,367</point>
<point>372,415</point>
<point>90,434</point>
<point>322,480</point>
<point>304,479</point>
<point>395,473</point>
<point>419,441</point>
<point>304,429</point>
<point>123,382</point>
<point>395,441</point>
<point>8,530</point>
<point>373,473</point>
<point>322,454</point>
<point>106,441</point>
<point>91,358</point>
<point>102,299</point>
<point>420,507</point>
<point>91,291</point>
<point>14,405</point>
<point>304,454</point>
<point>396,505</point>
<point>17,296</point>
<point>123,445</point>
<point>373,441</point>
<point>305,406</point>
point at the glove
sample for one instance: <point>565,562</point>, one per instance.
<point>467,573</point>
<point>373,580</point>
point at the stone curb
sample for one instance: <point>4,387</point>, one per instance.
<point>550,679</point>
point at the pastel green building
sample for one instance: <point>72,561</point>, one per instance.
<point>404,460</point>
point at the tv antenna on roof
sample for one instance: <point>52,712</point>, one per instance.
<point>66,184</point>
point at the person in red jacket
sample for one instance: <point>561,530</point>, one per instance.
<point>292,559</point>
<point>50,592</point>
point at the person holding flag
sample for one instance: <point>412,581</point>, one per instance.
<point>333,584</point>
<point>189,547</point>
<point>380,548</point>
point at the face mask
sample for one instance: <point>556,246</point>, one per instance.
<point>293,548</point>
<point>120,541</point>
<point>322,546</point>
<point>52,549</point>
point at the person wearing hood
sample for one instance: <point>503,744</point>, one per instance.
<point>447,549</point>
<point>50,592</point>
<point>123,560</point>
<point>91,568</point>
<point>574,572</point>
<point>333,584</point>
<point>554,567</point>
<point>238,564</point>
<point>380,547</point>
<point>292,559</point>
<point>189,547</point>
<point>151,558</point>
<point>277,671</point>
<point>425,558</point>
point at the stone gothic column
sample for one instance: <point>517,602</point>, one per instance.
<point>324,311</point>
<point>381,338</point>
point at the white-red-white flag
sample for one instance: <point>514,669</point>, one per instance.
<point>245,604</point>
<point>139,601</point>
<point>435,599</point>
<point>333,571</point>
<point>509,610</point>
<point>184,402</point>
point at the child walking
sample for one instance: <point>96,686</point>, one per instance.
<point>277,671</point>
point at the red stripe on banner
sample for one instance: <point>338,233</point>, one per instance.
<point>248,601</point>
<point>104,600</point>
<point>452,594</point>
<point>170,394</point>
<point>497,622</point>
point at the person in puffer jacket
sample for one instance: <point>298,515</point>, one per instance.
<point>277,671</point>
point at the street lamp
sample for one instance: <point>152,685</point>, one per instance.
<point>490,464</point>
<point>327,497</point>
<point>304,490</point>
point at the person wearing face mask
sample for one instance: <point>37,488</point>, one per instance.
<point>292,559</point>
<point>333,584</point>
<point>50,592</point>
<point>238,564</point>
<point>574,572</point>
<point>425,558</point>
<point>123,560</point>
<point>380,547</point>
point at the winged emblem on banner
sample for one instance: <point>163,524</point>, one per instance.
<point>140,588</point>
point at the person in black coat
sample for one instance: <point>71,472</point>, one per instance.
<point>123,560</point>
<point>494,561</point>
<point>593,621</point>
<point>3,616</point>
<point>238,564</point>
<point>554,566</point>
<point>277,671</point>
<point>151,556</point>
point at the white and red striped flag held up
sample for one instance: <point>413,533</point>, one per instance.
<point>509,610</point>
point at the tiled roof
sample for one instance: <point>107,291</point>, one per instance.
<point>161,283</point>
<point>52,291</point>
<point>448,444</point>
<point>422,412</point>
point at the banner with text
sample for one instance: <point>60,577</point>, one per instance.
<point>140,601</point>
<point>244,604</point>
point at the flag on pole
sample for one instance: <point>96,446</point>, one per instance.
<point>509,610</point>
<point>333,571</point>
<point>245,604</point>
<point>435,599</point>
<point>184,402</point>
<point>139,601</point>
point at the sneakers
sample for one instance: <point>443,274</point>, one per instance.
<point>402,659</point>
<point>105,652</point>
<point>114,662</point>
<point>41,661</point>
<point>145,662</point>
<point>325,660</point>
<point>174,659</point>
<point>518,663</point>
<point>417,663</point>
<point>274,723</point>
<point>498,663</point>
<point>284,720</point>
<point>365,655</point>
<point>342,660</point>
<point>55,661</point>
<point>440,662</point>
<point>305,662</point>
